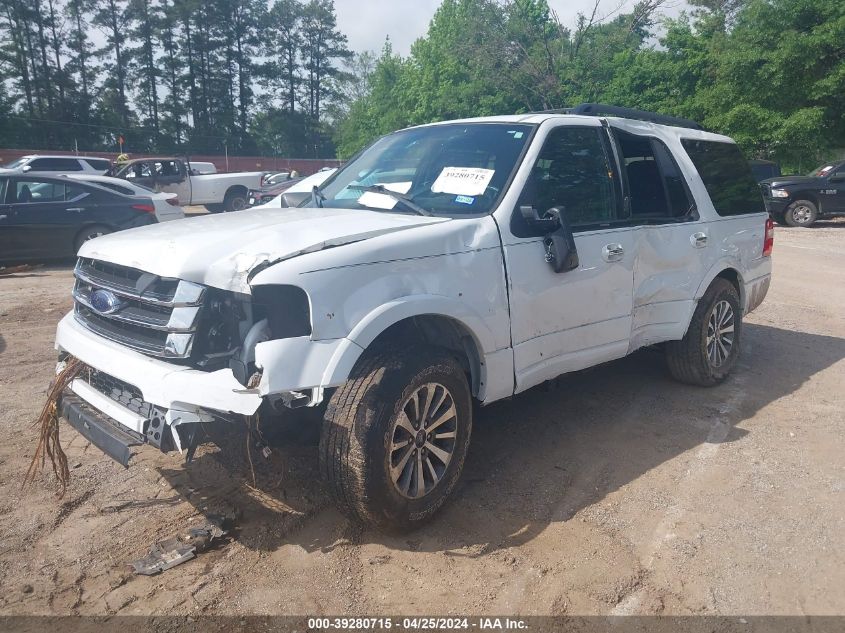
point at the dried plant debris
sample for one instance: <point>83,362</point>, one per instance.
<point>48,425</point>
<point>176,550</point>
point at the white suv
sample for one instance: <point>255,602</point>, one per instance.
<point>58,164</point>
<point>449,263</point>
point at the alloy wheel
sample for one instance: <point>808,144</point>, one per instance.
<point>422,440</point>
<point>720,333</point>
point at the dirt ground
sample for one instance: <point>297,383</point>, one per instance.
<point>617,492</point>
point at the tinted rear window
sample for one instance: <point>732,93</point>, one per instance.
<point>55,164</point>
<point>727,177</point>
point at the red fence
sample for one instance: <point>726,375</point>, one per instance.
<point>305,166</point>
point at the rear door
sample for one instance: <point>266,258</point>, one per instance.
<point>172,177</point>
<point>674,246</point>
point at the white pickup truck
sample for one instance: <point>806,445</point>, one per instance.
<point>459,262</point>
<point>217,192</point>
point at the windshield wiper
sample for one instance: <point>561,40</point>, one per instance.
<point>399,197</point>
<point>317,196</point>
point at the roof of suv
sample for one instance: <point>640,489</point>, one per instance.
<point>537,118</point>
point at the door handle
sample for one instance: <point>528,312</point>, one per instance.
<point>612,252</point>
<point>4,217</point>
<point>75,209</point>
<point>698,240</point>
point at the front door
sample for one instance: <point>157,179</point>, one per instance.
<point>833,195</point>
<point>563,322</point>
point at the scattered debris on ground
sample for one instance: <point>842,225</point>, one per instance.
<point>164,555</point>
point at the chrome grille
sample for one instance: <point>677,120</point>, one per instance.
<point>154,315</point>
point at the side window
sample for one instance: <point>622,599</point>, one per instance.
<point>37,191</point>
<point>75,192</point>
<point>656,187</point>
<point>726,175</point>
<point>573,171</point>
<point>55,164</point>
<point>677,192</point>
<point>3,182</point>
<point>139,170</point>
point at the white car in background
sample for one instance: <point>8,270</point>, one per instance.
<point>297,193</point>
<point>60,164</point>
<point>166,204</point>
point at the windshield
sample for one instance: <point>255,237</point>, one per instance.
<point>452,169</point>
<point>824,170</point>
<point>16,163</point>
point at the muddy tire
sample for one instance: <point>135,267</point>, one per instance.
<point>710,348</point>
<point>395,436</point>
<point>214,208</point>
<point>89,233</point>
<point>801,213</point>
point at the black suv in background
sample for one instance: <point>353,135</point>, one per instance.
<point>801,200</point>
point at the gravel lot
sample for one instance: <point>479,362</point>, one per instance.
<point>617,492</point>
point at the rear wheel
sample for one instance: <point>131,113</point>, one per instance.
<point>395,436</point>
<point>710,348</point>
<point>801,213</point>
<point>89,233</point>
<point>235,201</point>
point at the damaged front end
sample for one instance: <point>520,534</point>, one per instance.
<point>164,356</point>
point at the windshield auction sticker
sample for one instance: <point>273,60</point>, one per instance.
<point>463,181</point>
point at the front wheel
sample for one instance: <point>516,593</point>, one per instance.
<point>801,213</point>
<point>710,348</point>
<point>395,437</point>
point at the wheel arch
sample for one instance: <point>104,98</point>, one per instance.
<point>724,269</point>
<point>811,196</point>
<point>430,320</point>
<point>236,189</point>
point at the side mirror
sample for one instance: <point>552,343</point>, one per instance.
<point>558,240</point>
<point>837,178</point>
<point>26,168</point>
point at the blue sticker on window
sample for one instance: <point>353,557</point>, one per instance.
<point>464,199</point>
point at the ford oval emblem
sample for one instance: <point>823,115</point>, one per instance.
<point>105,301</point>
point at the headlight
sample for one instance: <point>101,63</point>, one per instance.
<point>780,193</point>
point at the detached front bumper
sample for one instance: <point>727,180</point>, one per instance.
<point>163,384</point>
<point>124,399</point>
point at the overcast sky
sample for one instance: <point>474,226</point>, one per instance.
<point>367,22</point>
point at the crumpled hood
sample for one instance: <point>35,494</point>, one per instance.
<point>220,250</point>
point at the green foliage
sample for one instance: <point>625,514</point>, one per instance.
<point>770,73</point>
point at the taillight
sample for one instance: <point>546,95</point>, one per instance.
<point>769,239</point>
<point>146,208</point>
<point>174,201</point>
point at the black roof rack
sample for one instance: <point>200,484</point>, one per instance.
<point>601,109</point>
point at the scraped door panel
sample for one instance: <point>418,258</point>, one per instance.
<point>564,322</point>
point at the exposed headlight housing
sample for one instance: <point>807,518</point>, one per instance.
<point>779,193</point>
